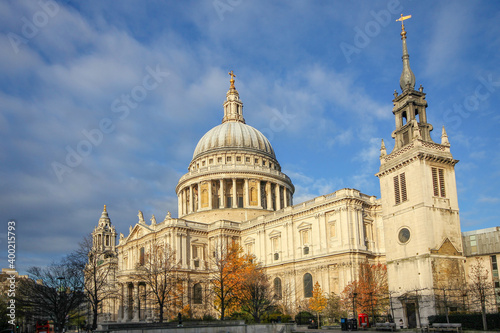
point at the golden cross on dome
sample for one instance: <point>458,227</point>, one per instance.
<point>232,79</point>
<point>402,18</point>
<point>105,208</point>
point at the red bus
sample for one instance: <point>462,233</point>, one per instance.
<point>44,326</point>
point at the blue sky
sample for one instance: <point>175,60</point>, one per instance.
<point>131,86</point>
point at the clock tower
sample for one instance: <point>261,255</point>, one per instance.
<point>420,209</point>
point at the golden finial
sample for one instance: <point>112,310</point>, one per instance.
<point>232,80</point>
<point>104,208</point>
<point>402,18</point>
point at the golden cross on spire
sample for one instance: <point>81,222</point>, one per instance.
<point>402,18</point>
<point>232,79</point>
<point>105,208</point>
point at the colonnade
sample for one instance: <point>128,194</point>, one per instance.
<point>233,193</point>
<point>134,304</point>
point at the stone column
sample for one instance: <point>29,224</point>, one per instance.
<point>222,204</point>
<point>184,202</point>
<point>285,197</point>
<point>235,195</point>
<point>120,307</point>
<point>246,194</point>
<point>269,196</point>
<point>178,247</point>
<point>259,195</point>
<point>199,196</point>
<point>136,302</point>
<point>191,206</point>
<point>184,250</point>
<point>210,205</point>
<point>179,203</point>
<point>278,196</point>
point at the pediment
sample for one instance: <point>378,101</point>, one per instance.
<point>249,240</point>
<point>274,233</point>
<point>138,231</point>
<point>304,225</point>
<point>447,248</point>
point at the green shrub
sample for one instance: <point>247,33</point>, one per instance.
<point>304,318</point>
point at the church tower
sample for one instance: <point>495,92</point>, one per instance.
<point>420,209</point>
<point>104,235</point>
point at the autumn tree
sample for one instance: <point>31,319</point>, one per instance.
<point>157,269</point>
<point>317,302</point>
<point>372,288</point>
<point>333,310</point>
<point>256,295</point>
<point>349,298</point>
<point>97,270</point>
<point>226,279</point>
<point>54,292</point>
<point>480,286</point>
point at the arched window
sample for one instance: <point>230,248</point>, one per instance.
<point>141,256</point>
<point>277,288</point>
<point>197,294</point>
<point>308,285</point>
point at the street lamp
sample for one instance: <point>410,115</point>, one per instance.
<point>354,295</point>
<point>60,293</point>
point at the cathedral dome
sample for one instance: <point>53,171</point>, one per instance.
<point>234,174</point>
<point>233,135</point>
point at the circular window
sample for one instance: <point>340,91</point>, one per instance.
<point>404,235</point>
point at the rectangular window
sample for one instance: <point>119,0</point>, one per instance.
<point>494,266</point>
<point>396,190</point>
<point>249,248</point>
<point>400,194</point>
<point>333,230</point>
<point>305,237</point>
<point>247,159</point>
<point>228,159</point>
<point>402,183</point>
<point>238,158</point>
<point>275,243</point>
<point>211,161</point>
<point>473,244</point>
<point>219,159</point>
<point>438,182</point>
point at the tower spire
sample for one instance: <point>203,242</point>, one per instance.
<point>233,107</point>
<point>407,80</point>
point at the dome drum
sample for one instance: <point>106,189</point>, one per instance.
<point>233,192</point>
